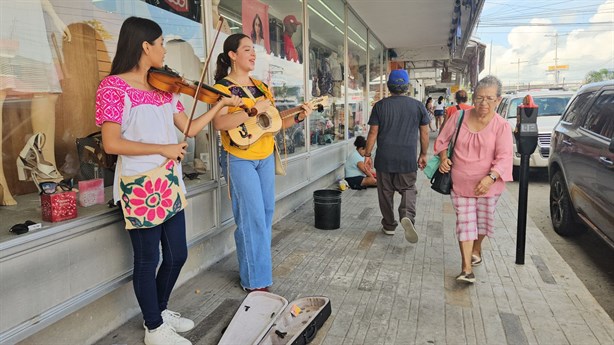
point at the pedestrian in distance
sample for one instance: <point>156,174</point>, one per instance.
<point>138,124</point>
<point>250,171</point>
<point>440,108</point>
<point>357,175</point>
<point>431,110</point>
<point>481,164</point>
<point>396,122</point>
<point>461,104</point>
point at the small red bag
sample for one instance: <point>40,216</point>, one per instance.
<point>91,192</point>
<point>57,207</point>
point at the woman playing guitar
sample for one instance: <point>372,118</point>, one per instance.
<point>250,169</point>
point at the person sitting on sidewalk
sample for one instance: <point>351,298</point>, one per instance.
<point>356,173</point>
<point>482,163</point>
<point>395,123</point>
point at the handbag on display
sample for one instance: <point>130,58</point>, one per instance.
<point>94,162</point>
<point>442,182</point>
<point>150,198</point>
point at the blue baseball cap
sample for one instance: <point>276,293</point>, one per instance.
<point>398,77</point>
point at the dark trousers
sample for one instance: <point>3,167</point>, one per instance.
<point>153,291</point>
<point>387,185</point>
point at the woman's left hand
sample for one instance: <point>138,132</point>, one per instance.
<point>483,186</point>
<point>306,112</point>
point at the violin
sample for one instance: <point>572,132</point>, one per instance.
<point>166,79</point>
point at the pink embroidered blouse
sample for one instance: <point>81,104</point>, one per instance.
<point>145,116</point>
<point>478,153</point>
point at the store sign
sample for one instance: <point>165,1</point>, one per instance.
<point>186,8</point>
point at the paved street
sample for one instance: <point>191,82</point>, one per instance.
<point>384,290</point>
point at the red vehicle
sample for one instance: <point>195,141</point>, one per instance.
<point>581,164</point>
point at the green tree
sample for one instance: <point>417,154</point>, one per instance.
<point>600,75</point>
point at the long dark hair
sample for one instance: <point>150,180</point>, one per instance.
<point>261,33</point>
<point>231,44</point>
<point>133,33</point>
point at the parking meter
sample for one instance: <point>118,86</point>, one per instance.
<point>526,136</point>
<point>526,142</point>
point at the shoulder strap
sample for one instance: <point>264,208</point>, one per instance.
<point>246,90</point>
<point>458,125</point>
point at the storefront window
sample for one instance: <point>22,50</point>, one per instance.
<point>357,76</point>
<point>326,70</point>
<point>275,27</point>
<point>376,73</point>
<point>54,54</point>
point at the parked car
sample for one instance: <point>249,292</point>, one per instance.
<point>551,104</point>
<point>581,164</point>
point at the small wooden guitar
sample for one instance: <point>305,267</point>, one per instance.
<point>269,122</point>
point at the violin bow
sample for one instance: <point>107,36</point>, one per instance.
<point>202,78</point>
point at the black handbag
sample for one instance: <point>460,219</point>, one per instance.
<point>94,162</point>
<point>442,182</point>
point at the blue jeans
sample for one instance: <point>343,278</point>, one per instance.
<point>153,291</point>
<point>252,190</point>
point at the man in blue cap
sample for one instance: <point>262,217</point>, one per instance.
<point>394,124</point>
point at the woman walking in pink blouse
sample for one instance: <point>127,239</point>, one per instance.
<point>482,162</point>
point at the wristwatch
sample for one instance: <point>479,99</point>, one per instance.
<point>492,176</point>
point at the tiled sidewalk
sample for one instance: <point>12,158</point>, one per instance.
<point>384,290</point>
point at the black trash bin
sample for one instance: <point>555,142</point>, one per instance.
<point>327,209</point>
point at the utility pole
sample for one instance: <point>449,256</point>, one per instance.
<point>556,57</point>
<point>518,75</point>
<point>490,59</point>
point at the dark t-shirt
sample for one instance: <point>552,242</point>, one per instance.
<point>398,119</point>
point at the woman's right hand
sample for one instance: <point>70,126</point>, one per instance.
<point>445,165</point>
<point>174,151</point>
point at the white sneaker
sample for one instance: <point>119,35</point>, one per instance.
<point>164,335</point>
<point>174,319</point>
<point>410,231</point>
<point>387,232</point>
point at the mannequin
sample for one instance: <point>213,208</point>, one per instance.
<point>29,69</point>
<point>335,68</point>
<point>216,16</point>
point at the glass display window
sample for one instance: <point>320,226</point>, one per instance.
<point>376,72</point>
<point>326,70</point>
<point>358,115</point>
<point>276,29</point>
<point>53,55</point>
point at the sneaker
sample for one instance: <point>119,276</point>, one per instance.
<point>164,335</point>
<point>387,232</point>
<point>476,260</point>
<point>410,231</point>
<point>466,277</point>
<point>264,289</point>
<point>174,319</point>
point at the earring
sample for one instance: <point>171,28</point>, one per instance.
<point>234,64</point>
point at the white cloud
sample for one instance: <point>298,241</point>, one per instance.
<point>590,47</point>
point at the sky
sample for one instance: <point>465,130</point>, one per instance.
<point>526,31</point>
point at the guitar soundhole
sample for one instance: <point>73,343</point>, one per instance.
<point>263,120</point>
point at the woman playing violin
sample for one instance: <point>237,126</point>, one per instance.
<point>251,170</point>
<point>138,123</point>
